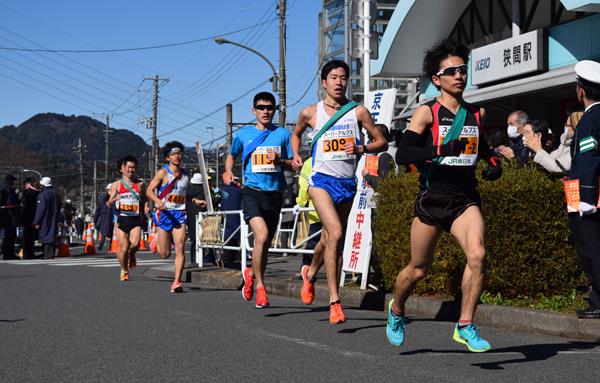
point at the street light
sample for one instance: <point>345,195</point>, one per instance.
<point>222,40</point>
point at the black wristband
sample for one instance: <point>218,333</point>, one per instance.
<point>365,149</point>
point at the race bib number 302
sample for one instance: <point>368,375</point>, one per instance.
<point>468,157</point>
<point>334,143</point>
<point>265,159</point>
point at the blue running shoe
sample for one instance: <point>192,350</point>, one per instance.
<point>469,336</point>
<point>395,327</point>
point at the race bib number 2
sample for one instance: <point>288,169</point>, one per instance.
<point>265,159</point>
<point>468,157</point>
<point>334,143</point>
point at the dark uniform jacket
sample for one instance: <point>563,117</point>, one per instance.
<point>585,165</point>
<point>103,216</point>
<point>47,215</point>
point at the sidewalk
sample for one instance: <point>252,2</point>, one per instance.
<point>280,281</point>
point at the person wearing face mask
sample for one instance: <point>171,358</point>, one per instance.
<point>515,149</point>
<point>558,161</point>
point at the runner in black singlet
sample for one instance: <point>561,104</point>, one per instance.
<point>448,198</point>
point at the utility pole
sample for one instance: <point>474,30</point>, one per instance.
<point>80,149</point>
<point>229,123</point>
<point>106,131</point>
<point>281,77</point>
<point>155,81</point>
<point>95,194</point>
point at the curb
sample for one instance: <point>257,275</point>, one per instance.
<point>509,318</point>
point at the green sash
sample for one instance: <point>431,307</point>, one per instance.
<point>339,114</point>
<point>135,195</point>
<point>453,134</point>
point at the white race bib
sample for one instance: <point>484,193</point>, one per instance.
<point>468,157</point>
<point>261,162</point>
<point>333,142</point>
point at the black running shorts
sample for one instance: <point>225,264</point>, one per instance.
<point>265,204</point>
<point>441,210</point>
<point>126,224</point>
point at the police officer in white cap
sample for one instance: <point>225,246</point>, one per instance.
<point>585,167</point>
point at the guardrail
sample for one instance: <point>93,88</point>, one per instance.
<point>245,248</point>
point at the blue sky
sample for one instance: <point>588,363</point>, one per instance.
<point>203,76</point>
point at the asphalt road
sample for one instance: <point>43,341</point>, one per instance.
<point>73,321</point>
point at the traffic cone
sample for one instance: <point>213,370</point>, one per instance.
<point>114,243</point>
<point>153,243</point>
<point>63,246</point>
<point>143,246</point>
<point>89,242</point>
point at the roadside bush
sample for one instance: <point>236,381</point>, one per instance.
<point>526,231</point>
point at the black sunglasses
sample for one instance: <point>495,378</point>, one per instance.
<point>452,70</point>
<point>265,107</point>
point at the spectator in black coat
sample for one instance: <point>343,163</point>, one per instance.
<point>103,218</point>
<point>9,217</point>
<point>31,191</point>
<point>47,217</point>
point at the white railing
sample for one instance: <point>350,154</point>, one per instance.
<point>291,247</point>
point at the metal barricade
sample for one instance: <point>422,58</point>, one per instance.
<point>244,247</point>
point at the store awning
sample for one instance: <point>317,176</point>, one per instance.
<point>414,26</point>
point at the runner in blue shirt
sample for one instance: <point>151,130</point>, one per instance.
<point>265,151</point>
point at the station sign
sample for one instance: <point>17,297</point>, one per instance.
<point>508,58</point>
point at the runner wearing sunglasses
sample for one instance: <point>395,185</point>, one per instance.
<point>265,150</point>
<point>130,193</point>
<point>171,181</point>
<point>444,140</point>
<point>336,147</point>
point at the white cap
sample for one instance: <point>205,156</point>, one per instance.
<point>108,186</point>
<point>589,71</point>
<point>46,181</point>
<point>196,178</point>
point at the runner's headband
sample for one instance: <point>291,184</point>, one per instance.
<point>174,150</point>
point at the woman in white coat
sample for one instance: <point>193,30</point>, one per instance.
<point>558,161</point>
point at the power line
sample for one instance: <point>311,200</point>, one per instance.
<point>131,49</point>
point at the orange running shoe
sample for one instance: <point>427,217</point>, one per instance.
<point>261,298</point>
<point>124,276</point>
<point>336,314</point>
<point>176,287</point>
<point>132,262</point>
<point>307,294</point>
<point>248,289</point>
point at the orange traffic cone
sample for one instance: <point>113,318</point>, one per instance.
<point>114,243</point>
<point>154,241</point>
<point>63,246</point>
<point>89,242</point>
<point>143,246</point>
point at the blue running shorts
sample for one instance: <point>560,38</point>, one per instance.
<point>169,219</point>
<point>340,189</point>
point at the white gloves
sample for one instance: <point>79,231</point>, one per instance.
<point>586,208</point>
<point>296,209</point>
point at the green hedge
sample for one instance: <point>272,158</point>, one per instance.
<point>526,230</point>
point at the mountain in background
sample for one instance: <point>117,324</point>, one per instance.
<point>53,134</point>
<point>45,144</point>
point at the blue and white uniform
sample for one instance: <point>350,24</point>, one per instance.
<point>264,180</point>
<point>333,169</point>
<point>174,215</point>
<point>260,172</point>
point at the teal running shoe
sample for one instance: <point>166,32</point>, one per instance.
<point>395,327</point>
<point>469,336</point>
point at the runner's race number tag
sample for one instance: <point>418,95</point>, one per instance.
<point>265,159</point>
<point>334,142</point>
<point>468,157</point>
